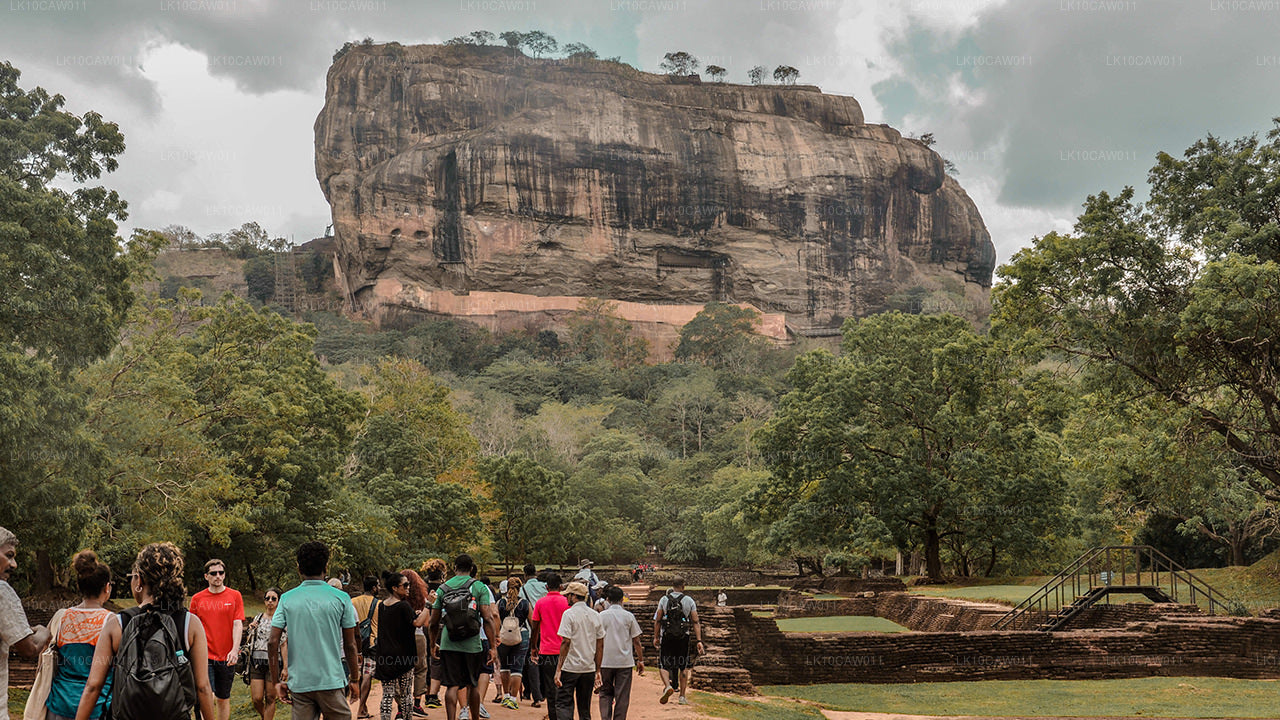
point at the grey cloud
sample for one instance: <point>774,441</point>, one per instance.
<point>1083,93</point>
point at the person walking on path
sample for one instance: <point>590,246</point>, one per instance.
<point>461,607</point>
<point>513,642</point>
<point>15,633</point>
<point>261,692</point>
<point>587,576</point>
<point>433,571</point>
<point>221,609</point>
<point>157,587</point>
<point>418,593</point>
<point>321,622</point>
<point>620,652</point>
<point>79,628</point>
<point>581,634</point>
<point>531,592</point>
<point>396,654</point>
<point>366,605</point>
<point>677,633</point>
<point>545,638</point>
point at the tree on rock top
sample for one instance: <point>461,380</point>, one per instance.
<point>679,63</point>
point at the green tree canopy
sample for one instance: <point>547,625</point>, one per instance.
<point>924,427</point>
<point>1177,299</point>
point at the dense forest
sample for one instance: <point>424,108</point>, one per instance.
<point>1124,392</point>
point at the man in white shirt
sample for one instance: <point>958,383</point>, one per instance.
<point>580,630</point>
<point>619,652</point>
<point>14,632</point>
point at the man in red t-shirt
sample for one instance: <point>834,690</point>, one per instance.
<point>221,611</point>
<point>544,644</point>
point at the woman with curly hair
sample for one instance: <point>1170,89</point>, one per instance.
<point>417,600</point>
<point>156,582</point>
<point>433,571</point>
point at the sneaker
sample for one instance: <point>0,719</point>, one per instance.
<point>433,701</point>
<point>483,713</point>
<point>683,700</point>
<point>464,713</point>
<point>510,703</point>
<point>666,695</point>
<point>418,710</point>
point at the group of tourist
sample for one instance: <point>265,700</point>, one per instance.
<point>315,646</point>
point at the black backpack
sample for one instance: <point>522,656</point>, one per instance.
<point>153,678</point>
<point>675,623</point>
<point>461,615</point>
<point>364,628</point>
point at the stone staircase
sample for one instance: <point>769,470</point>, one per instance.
<point>720,669</point>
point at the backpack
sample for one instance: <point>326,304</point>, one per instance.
<point>509,633</point>
<point>153,679</point>
<point>461,614</point>
<point>675,623</point>
<point>364,628</point>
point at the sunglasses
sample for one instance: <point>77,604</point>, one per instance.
<point>216,572</point>
<point>272,598</point>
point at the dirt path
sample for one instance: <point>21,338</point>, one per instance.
<point>645,691</point>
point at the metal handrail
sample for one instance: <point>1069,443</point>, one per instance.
<point>1115,565</point>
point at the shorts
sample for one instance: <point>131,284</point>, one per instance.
<point>221,673</point>
<point>512,657</point>
<point>368,666</point>
<point>676,653</point>
<point>460,669</point>
<point>435,669</point>
<point>259,668</point>
<point>484,649</point>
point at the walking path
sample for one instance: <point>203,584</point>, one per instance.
<point>645,690</point>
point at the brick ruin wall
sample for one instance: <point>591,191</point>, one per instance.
<point>952,641</point>
<point>1219,647</point>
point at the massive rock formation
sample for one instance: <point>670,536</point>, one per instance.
<point>471,181</point>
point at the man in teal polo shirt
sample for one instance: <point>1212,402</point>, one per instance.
<point>461,660</point>
<point>322,629</point>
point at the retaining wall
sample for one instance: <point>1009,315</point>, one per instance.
<point>1220,647</point>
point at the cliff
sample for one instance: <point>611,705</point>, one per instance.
<point>470,181</point>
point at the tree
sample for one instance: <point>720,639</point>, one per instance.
<point>260,277</point>
<point>481,37</point>
<point>756,74</point>
<point>694,407</point>
<point>679,63</point>
<point>534,513</point>
<point>917,426</point>
<point>720,335</point>
<point>513,38</point>
<point>65,283</point>
<point>539,43</point>
<point>786,74</point>
<point>1176,299</point>
<point>597,333</point>
<point>715,72</point>
<point>579,51</point>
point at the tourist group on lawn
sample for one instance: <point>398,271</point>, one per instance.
<point>319,649</point>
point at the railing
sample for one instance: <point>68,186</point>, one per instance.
<point>1102,571</point>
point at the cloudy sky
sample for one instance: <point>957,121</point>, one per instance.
<point>1038,102</point>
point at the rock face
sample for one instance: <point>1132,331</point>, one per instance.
<point>470,171</point>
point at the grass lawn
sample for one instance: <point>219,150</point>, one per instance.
<point>1160,697</point>
<point>840,623</point>
<point>1006,594</point>
<point>734,708</point>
